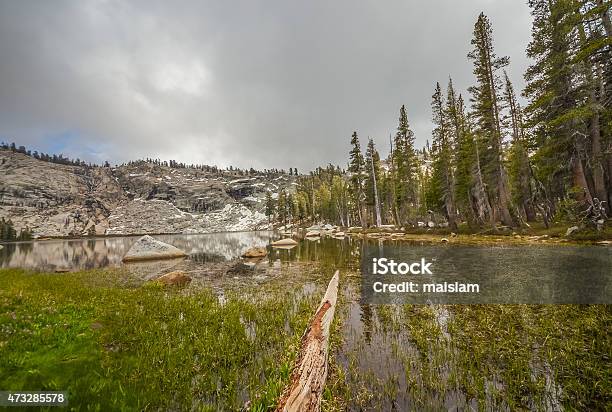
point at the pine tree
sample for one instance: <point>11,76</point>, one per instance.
<point>7,231</point>
<point>302,205</point>
<point>485,99</point>
<point>324,202</point>
<point>292,209</point>
<point>386,196</point>
<point>465,163</point>
<point>553,116</point>
<point>594,57</point>
<point>373,167</point>
<point>339,199</point>
<point>442,192</point>
<point>282,207</point>
<point>520,169</point>
<point>357,170</point>
<point>404,168</point>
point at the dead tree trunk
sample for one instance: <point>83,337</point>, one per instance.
<point>481,202</point>
<point>597,157</point>
<point>376,202</point>
<point>310,372</point>
<point>579,180</point>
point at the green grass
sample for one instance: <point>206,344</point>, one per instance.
<point>114,345</point>
<point>518,343</point>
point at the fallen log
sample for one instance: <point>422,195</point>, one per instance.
<point>310,372</point>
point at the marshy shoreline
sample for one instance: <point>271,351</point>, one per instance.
<point>228,341</point>
<point>117,343</point>
<point>554,235</point>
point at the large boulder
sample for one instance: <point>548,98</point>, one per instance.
<point>284,247</point>
<point>176,278</point>
<point>148,248</point>
<point>255,252</point>
<point>285,242</point>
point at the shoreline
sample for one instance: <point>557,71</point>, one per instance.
<point>553,235</point>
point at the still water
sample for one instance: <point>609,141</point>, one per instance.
<point>535,274</point>
<point>555,261</point>
<point>378,354</point>
<point>92,253</point>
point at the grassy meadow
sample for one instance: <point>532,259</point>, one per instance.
<point>116,345</point>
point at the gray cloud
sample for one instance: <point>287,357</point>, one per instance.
<point>252,83</point>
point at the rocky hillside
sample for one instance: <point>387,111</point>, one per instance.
<point>61,200</point>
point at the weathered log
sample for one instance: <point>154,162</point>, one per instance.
<point>310,372</point>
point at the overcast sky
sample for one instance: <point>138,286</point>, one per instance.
<point>250,83</point>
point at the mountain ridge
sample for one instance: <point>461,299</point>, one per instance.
<point>140,197</point>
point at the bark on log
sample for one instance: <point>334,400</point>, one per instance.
<point>310,372</point>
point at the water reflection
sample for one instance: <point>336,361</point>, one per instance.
<point>49,255</point>
<point>330,252</point>
<point>553,265</point>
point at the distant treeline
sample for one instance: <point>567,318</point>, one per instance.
<point>61,159</point>
<point>8,232</point>
<point>212,169</point>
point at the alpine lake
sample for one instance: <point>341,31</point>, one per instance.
<point>74,318</point>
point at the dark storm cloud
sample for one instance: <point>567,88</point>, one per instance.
<point>253,83</point>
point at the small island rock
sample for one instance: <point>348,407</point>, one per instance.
<point>285,242</point>
<point>148,248</point>
<point>255,252</point>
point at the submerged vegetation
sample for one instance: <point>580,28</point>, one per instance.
<point>113,344</point>
<point>483,357</point>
